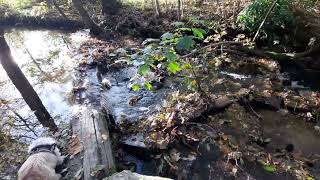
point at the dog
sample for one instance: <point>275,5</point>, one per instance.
<point>44,156</point>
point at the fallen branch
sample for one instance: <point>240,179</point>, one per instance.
<point>212,45</point>
<point>36,22</point>
<point>279,56</point>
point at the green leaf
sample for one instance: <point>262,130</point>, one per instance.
<point>198,33</point>
<point>170,54</point>
<point>178,24</point>
<point>144,69</point>
<point>173,67</point>
<point>136,87</point>
<point>187,66</point>
<point>310,178</point>
<point>167,35</point>
<point>148,86</point>
<point>185,43</point>
<point>269,168</point>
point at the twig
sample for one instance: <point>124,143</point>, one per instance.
<point>212,45</point>
<point>254,112</point>
<point>22,120</point>
<point>35,62</point>
<point>198,81</point>
<point>25,122</point>
<point>265,18</point>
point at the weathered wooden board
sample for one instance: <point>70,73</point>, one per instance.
<point>96,144</point>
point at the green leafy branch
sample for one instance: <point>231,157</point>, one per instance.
<point>163,56</point>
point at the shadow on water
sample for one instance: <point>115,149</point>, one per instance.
<point>47,59</point>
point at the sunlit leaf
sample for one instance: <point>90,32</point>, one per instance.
<point>148,86</point>
<point>144,69</point>
<point>185,43</point>
<point>173,67</point>
<point>310,178</point>
<point>222,33</point>
<point>135,87</point>
<point>198,33</point>
<point>269,168</point>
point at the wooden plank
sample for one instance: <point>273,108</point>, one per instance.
<point>97,145</point>
<point>128,175</point>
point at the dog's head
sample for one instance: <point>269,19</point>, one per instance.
<point>42,142</point>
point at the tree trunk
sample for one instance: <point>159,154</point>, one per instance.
<point>94,28</point>
<point>22,84</point>
<point>157,7</point>
<point>110,7</point>
<point>179,9</point>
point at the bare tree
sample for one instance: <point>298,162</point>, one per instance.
<point>110,7</point>
<point>94,28</point>
<point>24,87</point>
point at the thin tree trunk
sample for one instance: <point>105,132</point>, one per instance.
<point>157,7</point>
<point>94,28</point>
<point>265,18</point>
<point>179,10</point>
<point>22,84</point>
<point>59,9</point>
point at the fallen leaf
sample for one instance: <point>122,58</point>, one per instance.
<point>75,146</point>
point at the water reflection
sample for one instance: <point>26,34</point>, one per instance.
<point>46,58</point>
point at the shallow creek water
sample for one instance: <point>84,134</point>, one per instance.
<point>47,59</point>
<point>288,129</point>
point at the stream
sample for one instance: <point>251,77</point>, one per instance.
<point>50,61</point>
<point>47,59</point>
